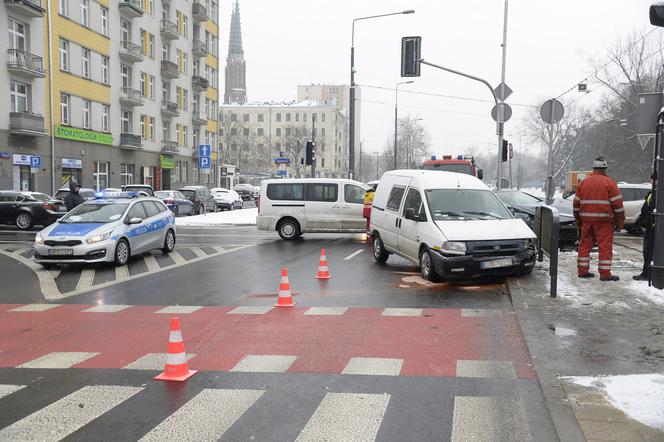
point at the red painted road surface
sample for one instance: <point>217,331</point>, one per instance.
<point>429,345</point>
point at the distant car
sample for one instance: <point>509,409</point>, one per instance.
<point>111,189</point>
<point>85,192</point>
<point>201,197</point>
<point>139,188</point>
<point>107,229</point>
<point>523,205</point>
<point>246,191</point>
<point>226,199</point>
<point>27,209</point>
<point>178,203</point>
<point>634,195</point>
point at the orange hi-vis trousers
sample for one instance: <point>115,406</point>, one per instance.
<point>602,234</point>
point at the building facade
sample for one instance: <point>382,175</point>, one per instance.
<point>121,91</point>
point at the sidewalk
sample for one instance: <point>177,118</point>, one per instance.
<point>598,348</point>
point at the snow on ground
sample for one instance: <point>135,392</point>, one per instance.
<point>653,294</point>
<point>240,217</point>
<point>639,396</point>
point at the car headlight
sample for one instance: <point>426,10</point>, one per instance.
<point>529,243</point>
<point>38,239</point>
<point>454,247</point>
<point>99,238</point>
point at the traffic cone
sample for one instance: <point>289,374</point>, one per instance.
<point>323,272</point>
<point>285,298</point>
<point>177,368</point>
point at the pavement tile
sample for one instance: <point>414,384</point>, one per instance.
<point>374,366</point>
<point>58,360</point>
<point>180,309</point>
<point>110,308</point>
<point>479,313</point>
<point>35,307</point>
<point>327,311</point>
<point>599,412</point>
<point>402,312</point>
<point>609,431</point>
<point>483,418</point>
<point>265,363</point>
<point>251,310</point>
<point>152,361</point>
<point>485,369</point>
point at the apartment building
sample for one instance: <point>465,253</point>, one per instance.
<point>134,87</point>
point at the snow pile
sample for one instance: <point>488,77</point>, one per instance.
<point>243,217</point>
<point>639,396</point>
<point>653,294</point>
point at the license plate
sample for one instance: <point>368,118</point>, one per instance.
<point>61,252</point>
<point>496,263</point>
<point>62,209</point>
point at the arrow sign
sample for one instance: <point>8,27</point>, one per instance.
<point>204,150</point>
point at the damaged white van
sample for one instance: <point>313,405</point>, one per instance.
<point>451,225</point>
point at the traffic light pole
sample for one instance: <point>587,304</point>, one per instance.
<point>657,265</point>
<point>313,140</point>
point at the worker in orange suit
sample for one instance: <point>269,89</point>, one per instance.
<point>598,210</point>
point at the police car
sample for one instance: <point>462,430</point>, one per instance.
<point>109,228</point>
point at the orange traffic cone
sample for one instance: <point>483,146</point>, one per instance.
<point>177,368</point>
<point>323,272</point>
<point>285,298</point>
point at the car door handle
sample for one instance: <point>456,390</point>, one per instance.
<point>346,206</point>
<point>336,206</point>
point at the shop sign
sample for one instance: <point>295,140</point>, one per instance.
<point>5,155</point>
<point>21,160</point>
<point>87,136</point>
<point>69,163</point>
<point>167,162</point>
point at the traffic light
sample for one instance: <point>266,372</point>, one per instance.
<point>310,153</point>
<point>411,51</point>
<point>505,149</point>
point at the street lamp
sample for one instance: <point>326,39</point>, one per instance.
<point>351,113</point>
<point>396,99</point>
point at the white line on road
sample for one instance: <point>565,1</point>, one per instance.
<point>58,360</point>
<point>6,389</point>
<point>488,418</point>
<point>198,252</point>
<point>151,262</point>
<point>85,280</point>
<point>63,417</point>
<point>177,258</point>
<point>353,255</point>
<point>121,273</point>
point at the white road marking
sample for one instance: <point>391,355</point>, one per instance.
<point>121,273</point>
<point>46,281</point>
<point>346,416</point>
<point>478,418</point>
<point>250,310</point>
<point>35,307</point>
<point>479,313</point>
<point>152,361</point>
<point>58,360</point>
<point>374,366</point>
<point>198,252</point>
<point>107,308</point>
<point>63,417</point>
<point>55,273</point>
<point>180,309</point>
<point>85,280</point>
<point>327,311</point>
<point>353,255</point>
<point>151,262</point>
<point>264,364</point>
<point>175,256</point>
<point>485,369</point>
<point>205,417</point>
<point>6,389</point>
<point>402,312</point>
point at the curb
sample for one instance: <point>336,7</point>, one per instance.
<point>562,415</point>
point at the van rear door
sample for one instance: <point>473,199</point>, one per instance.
<point>392,216</point>
<point>322,206</point>
<point>353,207</point>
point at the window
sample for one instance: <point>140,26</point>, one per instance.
<point>288,117</point>
<point>278,146</point>
<point>85,13</point>
<point>64,54</point>
<point>185,63</point>
<point>322,192</point>
<point>151,87</point>
<point>260,118</point>
<point>105,112</point>
<point>233,131</point>
<point>17,34</point>
<point>322,117</point>
<point>64,108</point>
<point>104,69</point>
<point>152,122</point>
<point>414,201</point>
<point>278,131</point>
<point>143,127</point>
<point>394,200</point>
<point>185,171</point>
<point>185,135</point>
<point>144,87</point>
<point>85,114</point>
<point>278,192</point>
<point>63,7</point>
<point>151,209</point>
<point>278,117</point>
<point>104,20</point>
<point>322,162</point>
<point>288,131</point>
<point>185,100</point>
<point>185,26</point>
<point>304,117</point>
<point>126,122</point>
<point>322,132</point>
<point>150,46</point>
<point>245,118</point>
<point>19,97</point>
<point>245,131</point>
<point>100,175</point>
<point>297,116</point>
<point>85,63</point>
<point>260,132</point>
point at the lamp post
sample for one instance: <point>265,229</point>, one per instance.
<point>396,100</point>
<point>351,112</point>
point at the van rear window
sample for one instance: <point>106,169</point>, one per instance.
<point>285,191</point>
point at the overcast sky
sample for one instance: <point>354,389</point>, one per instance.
<point>549,44</point>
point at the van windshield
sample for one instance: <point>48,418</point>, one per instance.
<point>464,204</point>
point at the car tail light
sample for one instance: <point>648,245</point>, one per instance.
<point>169,201</point>
<point>50,206</point>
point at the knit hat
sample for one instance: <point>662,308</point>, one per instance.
<point>600,163</point>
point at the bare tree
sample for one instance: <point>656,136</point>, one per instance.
<point>413,145</point>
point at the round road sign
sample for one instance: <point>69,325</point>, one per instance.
<point>552,111</point>
<point>507,112</point>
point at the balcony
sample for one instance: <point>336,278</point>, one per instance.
<point>199,84</point>
<point>198,118</point>
<point>131,97</point>
<point>131,8</point>
<point>200,49</point>
<point>27,8</point>
<point>25,63</point>
<point>169,30</point>
<point>130,141</point>
<point>130,51</point>
<point>169,146</point>
<point>25,123</point>
<point>169,69</point>
<point>199,12</point>
<point>169,109</point>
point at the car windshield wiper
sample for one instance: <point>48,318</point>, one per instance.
<point>484,214</point>
<point>440,212</point>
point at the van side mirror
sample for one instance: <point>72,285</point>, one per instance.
<point>410,214</point>
<point>480,174</point>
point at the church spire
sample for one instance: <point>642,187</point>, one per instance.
<point>235,44</point>
<point>236,83</point>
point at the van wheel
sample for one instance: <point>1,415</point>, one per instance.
<point>379,252</point>
<point>426,266</point>
<point>289,229</point>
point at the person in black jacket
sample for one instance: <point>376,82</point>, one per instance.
<point>647,221</point>
<point>73,199</point>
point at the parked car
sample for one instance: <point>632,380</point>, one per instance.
<point>139,188</point>
<point>201,197</point>
<point>634,195</point>
<point>296,206</point>
<point>449,224</point>
<point>523,205</point>
<point>85,192</point>
<point>178,203</point>
<point>27,209</point>
<point>226,199</point>
<point>246,191</point>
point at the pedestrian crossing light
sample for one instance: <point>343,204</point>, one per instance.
<point>410,56</point>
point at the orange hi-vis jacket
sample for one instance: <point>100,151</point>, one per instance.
<point>598,200</point>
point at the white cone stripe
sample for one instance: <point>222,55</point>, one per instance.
<point>176,359</point>
<point>62,418</point>
<point>323,268</point>
<point>205,417</point>
<point>176,336</point>
<point>284,293</point>
<point>284,280</point>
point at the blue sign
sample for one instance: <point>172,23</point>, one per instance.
<point>5,155</point>
<point>282,172</point>
<point>281,161</point>
<point>204,150</point>
<point>204,163</point>
<point>35,161</point>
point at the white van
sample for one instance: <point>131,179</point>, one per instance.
<point>311,205</point>
<point>449,224</point>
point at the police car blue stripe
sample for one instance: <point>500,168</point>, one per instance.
<point>63,229</point>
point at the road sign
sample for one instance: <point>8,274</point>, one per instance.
<point>282,172</point>
<point>507,112</point>
<point>281,160</point>
<point>204,150</point>
<point>552,111</point>
<point>204,162</point>
<point>35,161</point>
<point>503,91</point>
<point>647,108</point>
